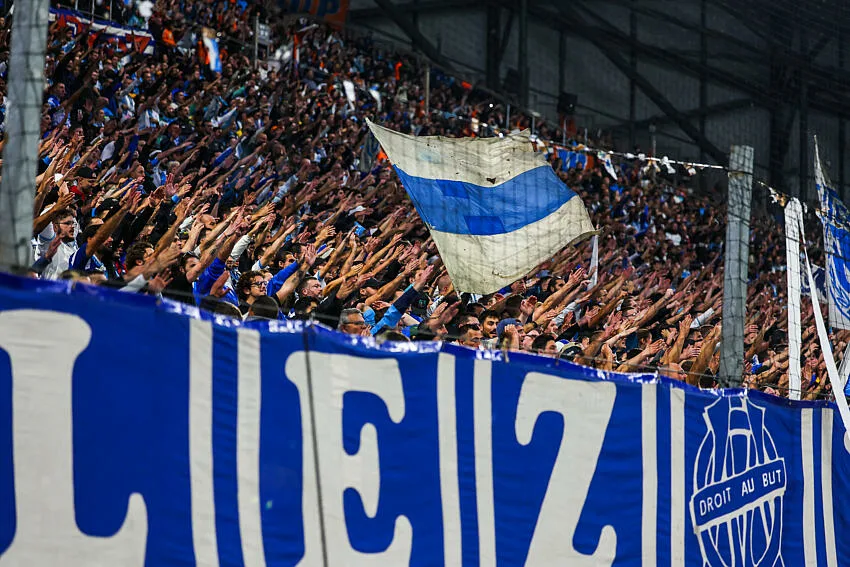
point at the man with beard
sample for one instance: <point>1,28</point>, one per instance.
<point>64,227</point>
<point>95,253</point>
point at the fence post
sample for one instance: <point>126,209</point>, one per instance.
<point>23,130</point>
<point>256,40</point>
<point>737,256</point>
<point>427,89</point>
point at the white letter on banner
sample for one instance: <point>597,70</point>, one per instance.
<point>43,347</point>
<point>586,410</point>
<point>296,371</point>
<point>204,538</point>
<point>482,385</point>
<point>248,449</point>
<point>333,375</point>
<point>449,481</point>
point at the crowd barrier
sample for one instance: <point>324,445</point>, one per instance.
<point>133,435</point>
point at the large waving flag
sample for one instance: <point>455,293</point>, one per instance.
<point>213,58</point>
<point>494,207</point>
<point>836,237</point>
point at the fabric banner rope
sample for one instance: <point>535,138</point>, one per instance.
<point>826,347</point>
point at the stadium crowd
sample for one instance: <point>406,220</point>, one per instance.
<point>256,193</point>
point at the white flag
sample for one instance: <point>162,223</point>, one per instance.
<point>594,262</point>
<point>793,212</point>
<point>349,93</point>
<point>487,229</point>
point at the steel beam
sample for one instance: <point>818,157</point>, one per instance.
<point>842,123</point>
<point>633,61</point>
<point>410,30</point>
<point>522,54</point>
<point>506,36</point>
<point>410,8</point>
<point>702,28</point>
<point>616,38</point>
<point>663,104</point>
<point>696,113</point>
<point>493,63</point>
<point>562,62</point>
<point>803,130</point>
<point>703,82</point>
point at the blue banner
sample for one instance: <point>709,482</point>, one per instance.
<point>134,435</point>
<point>834,215</point>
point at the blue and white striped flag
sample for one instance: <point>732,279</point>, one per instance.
<point>836,237</point>
<point>495,207</point>
<point>211,45</point>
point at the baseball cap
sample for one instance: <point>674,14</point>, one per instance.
<point>500,328</point>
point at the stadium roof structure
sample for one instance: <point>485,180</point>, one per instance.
<point>779,60</point>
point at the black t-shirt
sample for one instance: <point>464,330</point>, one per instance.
<point>180,290</point>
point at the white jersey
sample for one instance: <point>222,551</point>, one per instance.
<point>60,261</point>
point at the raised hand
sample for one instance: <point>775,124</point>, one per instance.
<point>614,320</point>
<point>131,200</point>
<point>655,347</point>
<point>326,233</point>
<point>422,278</point>
<point>158,195</point>
<point>576,276</point>
<point>549,315</point>
<point>527,306</point>
<point>447,314</point>
<point>371,244</point>
<point>167,257</point>
<point>160,282</point>
<point>264,211</point>
<point>182,209</point>
<point>64,201</point>
<point>591,313</point>
<point>690,351</point>
<point>52,248</point>
<point>349,285</point>
<point>310,255</point>
<point>170,188</point>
